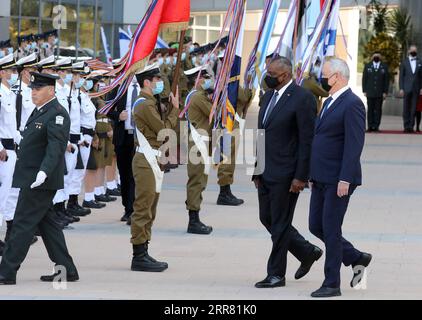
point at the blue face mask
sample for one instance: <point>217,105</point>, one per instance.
<point>191,48</point>
<point>194,60</point>
<point>28,47</point>
<point>183,56</point>
<point>56,41</point>
<point>10,50</point>
<point>79,84</point>
<point>89,84</point>
<point>68,78</point>
<point>160,61</point>
<point>168,60</point>
<point>208,84</point>
<point>13,79</point>
<point>1,54</point>
<point>33,45</point>
<point>159,87</point>
<point>44,45</point>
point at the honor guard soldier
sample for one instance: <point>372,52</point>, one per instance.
<point>9,138</point>
<point>67,97</point>
<point>87,126</point>
<point>47,65</point>
<point>147,172</point>
<point>39,174</point>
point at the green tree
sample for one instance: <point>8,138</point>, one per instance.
<point>401,26</point>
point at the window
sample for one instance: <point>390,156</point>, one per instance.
<point>201,21</point>
<point>215,21</point>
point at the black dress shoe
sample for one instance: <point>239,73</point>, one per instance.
<point>306,265</point>
<point>363,261</point>
<point>53,277</point>
<point>129,221</point>
<point>325,292</point>
<point>93,204</point>
<point>271,282</point>
<point>104,198</point>
<point>113,192</point>
<point>76,210</point>
<point>125,217</point>
<point>4,281</point>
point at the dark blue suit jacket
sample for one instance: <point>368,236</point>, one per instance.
<point>338,142</point>
<point>288,136</point>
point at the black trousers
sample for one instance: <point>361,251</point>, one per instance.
<point>35,211</point>
<point>276,209</point>
<point>374,112</point>
<point>409,109</point>
<point>124,157</point>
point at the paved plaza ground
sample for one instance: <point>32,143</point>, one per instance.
<point>384,218</point>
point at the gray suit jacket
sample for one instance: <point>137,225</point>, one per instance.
<point>410,82</point>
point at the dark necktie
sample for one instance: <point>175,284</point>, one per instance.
<point>325,106</point>
<point>134,98</point>
<point>270,108</point>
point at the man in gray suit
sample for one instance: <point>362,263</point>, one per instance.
<point>410,87</point>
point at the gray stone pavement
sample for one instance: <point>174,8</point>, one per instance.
<point>384,218</point>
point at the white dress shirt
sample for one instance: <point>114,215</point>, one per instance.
<point>27,105</point>
<point>377,65</point>
<point>88,112</point>
<point>335,96</point>
<point>62,94</point>
<point>128,122</point>
<point>413,64</point>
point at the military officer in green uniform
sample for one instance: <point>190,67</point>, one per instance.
<point>147,169</point>
<point>39,174</point>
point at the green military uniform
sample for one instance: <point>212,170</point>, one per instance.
<point>104,154</point>
<point>313,85</point>
<point>149,122</point>
<point>165,72</point>
<point>42,149</point>
<point>226,170</point>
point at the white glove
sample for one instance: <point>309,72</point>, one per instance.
<point>41,177</point>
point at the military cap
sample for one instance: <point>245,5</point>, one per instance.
<point>47,63</point>
<point>81,67</point>
<point>5,44</point>
<point>194,71</point>
<point>39,80</point>
<point>7,62</point>
<point>63,64</point>
<point>39,36</point>
<point>28,61</point>
<point>51,33</point>
<point>150,71</point>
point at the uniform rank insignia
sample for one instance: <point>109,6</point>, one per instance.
<point>59,120</point>
<point>38,125</point>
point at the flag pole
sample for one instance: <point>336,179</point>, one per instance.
<point>178,63</point>
<point>295,34</point>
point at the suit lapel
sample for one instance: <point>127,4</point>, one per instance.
<point>263,108</point>
<point>331,109</point>
<point>281,102</point>
<point>40,113</point>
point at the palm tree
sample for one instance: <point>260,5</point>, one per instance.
<point>401,25</point>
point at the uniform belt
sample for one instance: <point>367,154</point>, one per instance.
<point>90,132</point>
<point>104,120</point>
<point>74,138</point>
<point>8,144</point>
<point>157,153</point>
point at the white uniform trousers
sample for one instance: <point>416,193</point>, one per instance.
<point>7,168</point>
<point>78,175</point>
<point>71,161</point>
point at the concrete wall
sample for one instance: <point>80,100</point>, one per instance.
<point>4,20</point>
<point>134,10</point>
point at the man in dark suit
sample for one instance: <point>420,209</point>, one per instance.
<point>375,84</point>
<point>39,174</point>
<point>286,120</point>
<point>335,174</point>
<point>410,87</point>
<point>124,144</point>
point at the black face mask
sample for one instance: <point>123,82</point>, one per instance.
<point>377,59</point>
<point>413,54</point>
<point>271,82</point>
<point>325,85</point>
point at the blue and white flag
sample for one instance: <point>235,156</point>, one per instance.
<point>161,44</point>
<point>106,48</point>
<point>124,41</point>
<point>330,35</point>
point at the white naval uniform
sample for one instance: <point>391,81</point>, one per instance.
<point>88,121</point>
<point>62,93</point>
<point>8,130</point>
<point>27,105</point>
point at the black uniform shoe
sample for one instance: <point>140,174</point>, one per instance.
<point>325,292</point>
<point>113,192</point>
<point>4,281</point>
<point>306,265</point>
<point>195,225</point>
<point>55,276</point>
<point>93,204</point>
<point>125,217</point>
<point>141,261</point>
<point>363,261</point>
<point>271,282</point>
<point>76,210</point>
<point>226,198</point>
<point>104,198</point>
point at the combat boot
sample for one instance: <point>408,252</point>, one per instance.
<point>74,209</point>
<point>195,225</point>
<point>141,261</point>
<point>226,198</point>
